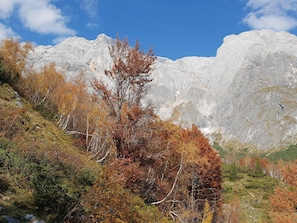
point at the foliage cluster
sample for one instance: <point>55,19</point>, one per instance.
<point>12,60</point>
<point>42,173</point>
<point>169,167</point>
<point>284,199</point>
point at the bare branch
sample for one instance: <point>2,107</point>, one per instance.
<point>174,183</point>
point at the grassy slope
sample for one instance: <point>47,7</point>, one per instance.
<point>31,148</point>
<point>253,196</point>
<point>252,192</point>
<point>40,169</point>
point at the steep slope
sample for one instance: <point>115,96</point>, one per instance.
<point>259,108</point>
<point>43,174</point>
<point>242,97</point>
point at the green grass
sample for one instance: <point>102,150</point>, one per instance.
<point>253,195</point>
<point>289,154</point>
<point>251,189</point>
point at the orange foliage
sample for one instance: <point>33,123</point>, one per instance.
<point>182,161</point>
<point>130,73</point>
<point>107,201</point>
<point>173,168</point>
<point>14,55</point>
<point>284,200</point>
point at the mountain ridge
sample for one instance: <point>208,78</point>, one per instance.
<point>224,95</point>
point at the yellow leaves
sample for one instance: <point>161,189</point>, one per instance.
<point>14,55</point>
<point>208,213</point>
<point>109,202</point>
<point>43,85</point>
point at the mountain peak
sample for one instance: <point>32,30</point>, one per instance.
<point>103,36</point>
<point>260,42</point>
<point>235,95</point>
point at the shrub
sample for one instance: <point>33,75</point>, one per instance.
<point>50,196</point>
<point>4,143</point>
<point>5,75</point>
<point>253,185</point>
<point>4,183</point>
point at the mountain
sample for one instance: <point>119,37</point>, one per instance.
<point>244,97</point>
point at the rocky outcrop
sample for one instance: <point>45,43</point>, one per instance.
<point>245,96</point>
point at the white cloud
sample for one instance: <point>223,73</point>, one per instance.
<point>39,16</point>
<point>44,18</point>
<point>278,15</point>
<point>92,25</point>
<point>6,32</point>
<point>90,7</point>
<point>6,8</point>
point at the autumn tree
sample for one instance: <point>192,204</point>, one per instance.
<point>182,172</point>
<point>108,201</point>
<point>129,76</point>
<point>284,199</point>
<point>12,59</point>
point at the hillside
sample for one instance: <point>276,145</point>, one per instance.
<point>243,97</point>
<point>110,147</point>
<point>45,175</point>
<point>122,152</point>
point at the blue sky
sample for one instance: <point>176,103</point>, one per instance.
<point>173,28</point>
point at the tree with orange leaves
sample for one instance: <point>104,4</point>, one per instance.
<point>130,74</point>
<point>284,199</point>
<point>184,172</point>
<point>12,59</point>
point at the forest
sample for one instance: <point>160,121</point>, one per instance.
<point>68,155</point>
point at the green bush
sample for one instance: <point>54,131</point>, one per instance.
<point>227,189</point>
<point>86,178</point>
<point>4,143</point>
<point>52,200</point>
<point>47,110</point>
<point>231,171</point>
<point>253,185</point>
<point>258,172</point>
<point>50,195</point>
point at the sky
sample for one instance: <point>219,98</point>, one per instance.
<point>174,29</point>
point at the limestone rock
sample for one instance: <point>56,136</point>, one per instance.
<point>245,96</point>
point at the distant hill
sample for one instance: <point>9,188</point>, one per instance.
<point>245,97</point>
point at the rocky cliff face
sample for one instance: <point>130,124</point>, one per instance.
<point>243,97</point>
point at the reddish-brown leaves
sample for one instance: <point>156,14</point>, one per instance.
<point>284,200</point>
